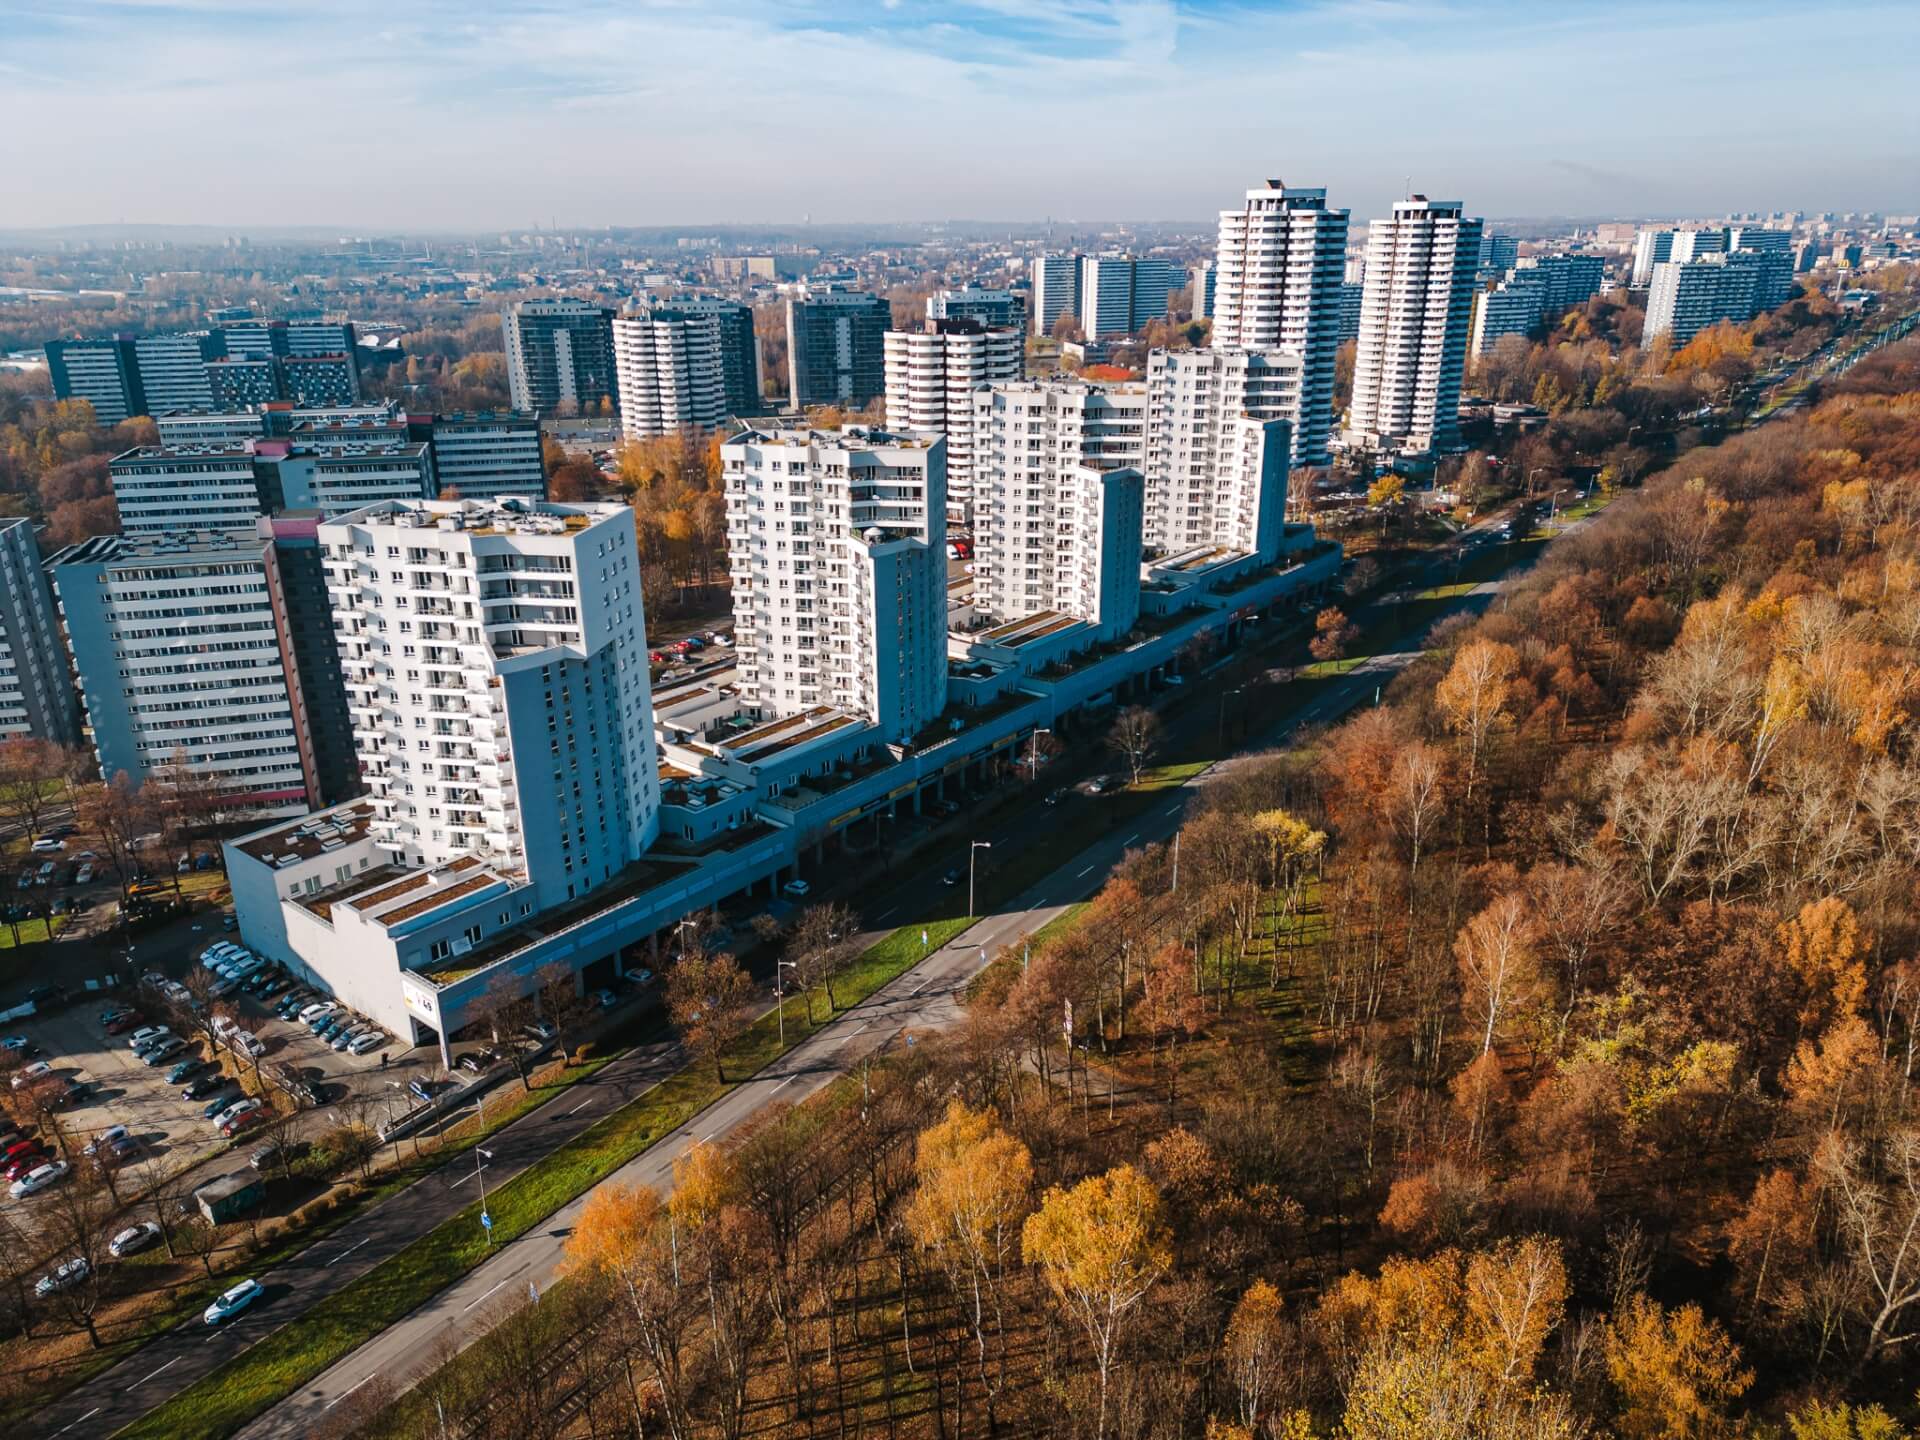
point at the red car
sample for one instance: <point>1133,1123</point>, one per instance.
<point>243,1122</point>
<point>23,1163</point>
<point>122,1023</point>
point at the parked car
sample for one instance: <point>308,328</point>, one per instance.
<point>146,1035</point>
<point>106,1137</point>
<point>247,1043</point>
<point>270,1154</point>
<point>77,1092</point>
<point>245,1105</point>
<point>126,1020</point>
<point>84,875</point>
<point>471,1063</point>
<point>422,1089</point>
<point>245,1120</point>
<point>798,889</point>
<point>605,999</point>
<point>206,1086</point>
<point>47,844</point>
<point>63,1277</point>
<point>162,1052</point>
<point>39,1178</point>
<point>316,1010</point>
<point>371,1040</point>
<point>124,1149</point>
<point>952,877</point>
<point>133,1239</point>
<point>30,1161</point>
<point>19,1044</point>
<point>186,1069</point>
<point>539,1030</point>
<point>232,1302</point>
<point>39,1070</point>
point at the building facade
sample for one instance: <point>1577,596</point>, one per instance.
<point>739,349</point>
<point>1060,501</point>
<point>1219,439</point>
<point>179,661</point>
<point>1281,257</point>
<point>310,657</point>
<point>486,455</point>
<point>36,696</point>
<point>931,379</point>
<point>1414,324</point>
<point>173,370</point>
<point>993,309</point>
<point>1121,293</point>
<point>1687,297</point>
<point>836,543</point>
<point>560,357</point>
<point>104,373</point>
<point>835,351</point>
<point>671,373</point>
<point>495,666</point>
<point>1056,290</point>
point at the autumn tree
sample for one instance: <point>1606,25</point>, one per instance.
<point>1100,1246</point>
<point>1674,1372</point>
<point>1333,633</point>
<point>1473,698</point>
<point>1499,965</point>
<point>1134,738</point>
<point>708,1000</point>
<point>974,1189</point>
<point>1258,1352</point>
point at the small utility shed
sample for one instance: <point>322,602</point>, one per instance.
<point>231,1196</point>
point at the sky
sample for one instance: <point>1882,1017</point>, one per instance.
<point>464,115</point>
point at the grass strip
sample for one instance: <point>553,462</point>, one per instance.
<point>249,1384</point>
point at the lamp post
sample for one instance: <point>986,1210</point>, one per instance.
<point>780,995</point>
<point>479,1172</point>
<point>973,852</point>
<point>1033,753</point>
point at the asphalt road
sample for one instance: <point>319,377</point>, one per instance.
<point>924,998</point>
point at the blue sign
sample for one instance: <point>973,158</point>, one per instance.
<point>486,1219</point>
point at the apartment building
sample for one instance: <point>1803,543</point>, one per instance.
<point>36,696</point>
<point>1666,245</point>
<point>560,356</point>
<point>1056,290</point>
<point>1219,437</point>
<point>835,353</point>
<point>1059,507</point>
<point>495,666</point>
<point>105,373</point>
<point>1777,262</point>
<point>179,660</point>
<point>1498,253</point>
<point>993,309</point>
<point>931,379</point>
<point>739,348</point>
<point>1414,325</point>
<point>486,454</point>
<point>238,381</point>
<point>671,373</point>
<point>1281,259</point>
<point>1202,280</point>
<point>310,657</point>
<point>837,548</point>
<point>1121,293</point>
<point>1687,297</point>
<point>173,369</point>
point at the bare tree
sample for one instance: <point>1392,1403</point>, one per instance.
<point>820,947</point>
<point>561,1003</point>
<point>78,1215</point>
<point>1134,738</point>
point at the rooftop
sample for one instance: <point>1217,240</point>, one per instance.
<point>309,836</point>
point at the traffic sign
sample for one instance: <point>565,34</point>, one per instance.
<point>486,1220</point>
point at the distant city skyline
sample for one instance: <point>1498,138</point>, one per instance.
<point>435,118</point>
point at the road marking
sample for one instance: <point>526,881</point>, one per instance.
<point>350,1389</point>
<point>921,986</point>
<point>470,1304</point>
<point>708,1136</point>
<point>1131,838</point>
<point>469,1175</point>
<point>81,1421</point>
<point>1085,872</point>
<point>144,1378</point>
<point>346,1252</point>
<point>787,1081</point>
<point>583,1105</point>
<point>881,920</point>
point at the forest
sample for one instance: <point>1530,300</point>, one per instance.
<point>1530,1055</point>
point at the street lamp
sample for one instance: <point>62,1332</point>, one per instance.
<point>479,1171</point>
<point>972,852</point>
<point>780,995</point>
<point>1033,753</point>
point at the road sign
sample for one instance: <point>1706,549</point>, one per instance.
<point>486,1220</point>
<point>533,1291</point>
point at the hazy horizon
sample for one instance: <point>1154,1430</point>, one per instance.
<point>675,115</point>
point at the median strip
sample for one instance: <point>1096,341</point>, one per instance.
<point>279,1364</point>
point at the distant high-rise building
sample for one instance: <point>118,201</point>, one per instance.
<point>1653,247</point>
<point>1413,327</point>
<point>931,379</point>
<point>1056,290</point>
<point>739,348</point>
<point>177,647</point>
<point>173,369</point>
<point>1121,293</point>
<point>560,356</point>
<point>1539,288</point>
<point>1349,294</point>
<point>1202,281</point>
<point>837,549</point>
<point>238,381</point>
<point>1775,249</point>
<point>311,381</point>
<point>1498,253</point>
<point>36,696</point>
<point>995,309</point>
<point>1059,501</point>
<point>1219,436</point>
<point>671,373</point>
<point>835,353</point>
<point>1687,297</point>
<point>1565,280</point>
<point>1281,256</point>
<point>105,373</point>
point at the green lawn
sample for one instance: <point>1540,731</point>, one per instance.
<point>32,932</point>
<point>225,1400</point>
